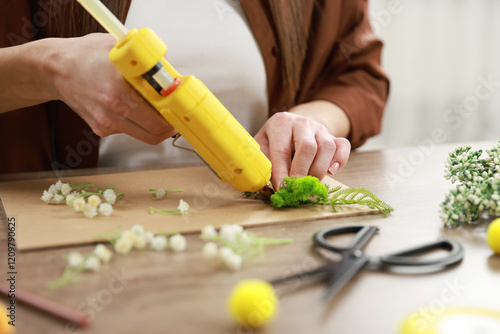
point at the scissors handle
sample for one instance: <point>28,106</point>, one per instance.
<point>363,234</point>
<point>409,257</point>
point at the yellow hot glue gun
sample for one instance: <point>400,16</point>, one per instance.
<point>186,103</point>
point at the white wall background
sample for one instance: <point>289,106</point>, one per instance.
<point>439,54</point>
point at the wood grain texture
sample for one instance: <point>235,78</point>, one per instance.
<point>151,292</point>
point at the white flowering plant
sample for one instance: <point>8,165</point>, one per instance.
<point>137,237</point>
<point>477,193</point>
<point>182,209</point>
<point>84,197</point>
<point>233,245</point>
<point>78,263</point>
<point>160,193</point>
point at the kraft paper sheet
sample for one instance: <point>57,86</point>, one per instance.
<point>41,225</point>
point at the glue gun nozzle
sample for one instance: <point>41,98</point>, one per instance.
<point>268,189</point>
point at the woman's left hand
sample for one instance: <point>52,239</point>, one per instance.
<point>298,146</point>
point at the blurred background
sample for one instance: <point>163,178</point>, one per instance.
<point>443,59</point>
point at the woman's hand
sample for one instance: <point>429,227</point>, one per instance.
<point>82,76</point>
<point>298,146</point>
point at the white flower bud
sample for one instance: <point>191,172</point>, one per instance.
<point>105,209</point>
<point>160,193</point>
<point>159,243</point>
<point>47,196</point>
<point>225,252</point>
<point>109,196</point>
<point>183,207</point>
<point>208,232</point>
<point>66,189</point>
<point>75,259</point>
<point>58,199</point>
<point>102,253</point>
<point>52,189</point>
<point>137,229</point>
<point>210,250</point>
<point>69,198</point>
<point>140,241</point>
<point>178,243</point>
<point>123,245</point>
<point>149,236</point>
<point>92,263</point>
<point>94,200</point>
<point>89,210</point>
<point>78,204</point>
<point>234,262</point>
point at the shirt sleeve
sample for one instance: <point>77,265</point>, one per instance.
<point>353,78</point>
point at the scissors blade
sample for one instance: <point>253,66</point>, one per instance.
<point>348,268</point>
<point>318,273</point>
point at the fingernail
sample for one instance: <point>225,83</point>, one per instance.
<point>334,168</point>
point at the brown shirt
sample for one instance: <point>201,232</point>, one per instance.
<point>342,65</point>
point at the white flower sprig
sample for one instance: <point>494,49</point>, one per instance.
<point>84,197</point>
<point>78,263</point>
<point>161,193</point>
<point>182,208</point>
<point>237,245</point>
<point>477,193</point>
<point>137,237</point>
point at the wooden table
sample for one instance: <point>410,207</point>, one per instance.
<point>165,292</point>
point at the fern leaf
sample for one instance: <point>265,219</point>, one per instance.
<point>361,196</point>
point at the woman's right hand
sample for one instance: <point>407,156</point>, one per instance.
<point>81,75</point>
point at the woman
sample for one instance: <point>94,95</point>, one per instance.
<point>322,81</point>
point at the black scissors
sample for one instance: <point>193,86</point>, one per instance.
<point>338,273</point>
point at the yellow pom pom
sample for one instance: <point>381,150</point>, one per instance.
<point>253,303</point>
<point>494,235</point>
<point>5,328</point>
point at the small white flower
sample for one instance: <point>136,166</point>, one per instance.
<point>47,196</point>
<point>105,209</point>
<point>183,207</point>
<point>138,230</point>
<point>58,185</point>
<point>92,263</point>
<point>109,196</point>
<point>208,232</point>
<point>245,239</point>
<point>225,252</point>
<point>58,198</point>
<point>102,253</point>
<point>52,189</point>
<point>233,262</point>
<point>89,211</point>
<point>149,236</point>
<point>66,189</point>
<point>210,250</point>
<point>178,243</point>
<point>129,235</point>
<point>69,198</point>
<point>79,204</point>
<point>75,259</point>
<point>94,200</point>
<point>159,243</point>
<point>160,193</point>
<point>140,241</point>
<point>123,245</point>
<point>230,232</point>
